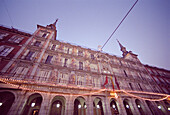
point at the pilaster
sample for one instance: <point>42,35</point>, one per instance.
<point>45,105</point>
<point>89,105</point>
<point>69,105</point>
<point>121,108</point>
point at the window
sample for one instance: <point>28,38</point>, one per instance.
<point>130,86</point>
<point>44,35</point>
<point>92,56</point>
<point>2,35</point>
<point>65,62</point>
<point>48,60</point>
<point>16,39</point>
<point>29,55</point>
<point>53,47</point>
<point>140,87</point>
<point>5,50</point>
<point>80,53</point>
<point>125,73</point>
<point>68,50</point>
<point>37,43</point>
<point>80,65</point>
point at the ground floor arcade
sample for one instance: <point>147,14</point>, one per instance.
<point>20,102</point>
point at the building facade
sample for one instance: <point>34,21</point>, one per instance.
<point>47,77</point>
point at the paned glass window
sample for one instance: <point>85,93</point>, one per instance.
<point>29,55</point>
<point>5,50</point>
<point>16,39</point>
<point>2,35</point>
<point>80,65</point>
<point>48,60</point>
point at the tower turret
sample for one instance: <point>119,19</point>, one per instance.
<point>123,49</point>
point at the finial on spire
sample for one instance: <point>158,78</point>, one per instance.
<point>122,48</point>
<point>55,21</point>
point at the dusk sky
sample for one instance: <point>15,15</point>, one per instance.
<point>89,23</point>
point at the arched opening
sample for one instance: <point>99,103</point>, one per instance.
<point>127,107</point>
<point>6,101</point>
<point>139,106</point>
<point>57,106</point>
<point>167,104</point>
<point>80,106</point>
<point>113,107</point>
<point>160,107</point>
<point>97,107</point>
<point>150,106</point>
<point>33,105</point>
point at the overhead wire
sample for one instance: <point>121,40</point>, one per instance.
<point>119,24</point>
<point>8,13</point>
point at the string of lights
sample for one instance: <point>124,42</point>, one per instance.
<point>24,87</point>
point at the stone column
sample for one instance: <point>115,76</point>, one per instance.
<point>156,110</point>
<point>107,106</point>
<point>18,104</point>
<point>69,105</point>
<point>133,107</point>
<point>45,104</point>
<point>121,108</point>
<point>146,108</point>
<point>89,104</point>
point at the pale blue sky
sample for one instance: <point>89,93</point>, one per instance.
<point>146,31</point>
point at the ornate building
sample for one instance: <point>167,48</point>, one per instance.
<point>42,75</point>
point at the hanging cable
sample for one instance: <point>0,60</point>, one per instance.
<point>8,13</point>
<point>119,24</point>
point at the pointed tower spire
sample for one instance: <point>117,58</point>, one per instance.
<point>123,49</point>
<point>55,22</point>
<point>53,26</point>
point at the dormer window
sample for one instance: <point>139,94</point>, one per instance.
<point>16,39</point>
<point>2,35</point>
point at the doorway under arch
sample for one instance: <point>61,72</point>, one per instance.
<point>33,104</point>
<point>139,106</point>
<point>6,101</point>
<point>127,107</point>
<point>80,106</point>
<point>98,107</point>
<point>58,106</point>
<point>113,107</point>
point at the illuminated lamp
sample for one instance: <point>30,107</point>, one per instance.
<point>79,106</point>
<point>113,106</point>
<point>159,107</point>
<point>57,105</point>
<point>127,106</point>
<point>98,106</point>
<point>168,108</point>
<point>85,106</point>
<point>138,106</point>
<point>32,104</point>
<point>1,103</point>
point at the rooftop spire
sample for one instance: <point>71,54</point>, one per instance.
<point>122,48</point>
<point>55,22</point>
<point>53,26</point>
